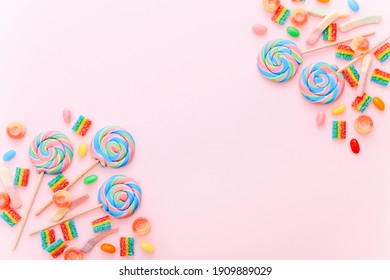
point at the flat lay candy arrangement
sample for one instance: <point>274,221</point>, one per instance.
<point>359,60</point>
<point>51,153</point>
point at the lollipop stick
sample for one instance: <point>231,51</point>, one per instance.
<point>353,61</point>
<point>82,174</point>
<point>336,43</point>
<point>67,219</point>
<point>29,209</point>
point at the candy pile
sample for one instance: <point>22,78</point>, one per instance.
<point>52,153</point>
<point>323,83</point>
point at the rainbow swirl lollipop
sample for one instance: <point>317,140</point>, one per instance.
<point>279,60</point>
<point>51,152</point>
<point>321,84</point>
<point>120,196</point>
<point>113,146</point>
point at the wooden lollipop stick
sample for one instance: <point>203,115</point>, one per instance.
<point>29,209</point>
<point>353,61</point>
<point>336,43</point>
<point>69,186</point>
<point>67,219</point>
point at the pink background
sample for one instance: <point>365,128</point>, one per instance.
<point>231,165</point>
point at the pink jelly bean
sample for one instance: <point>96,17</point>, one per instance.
<point>320,118</point>
<point>67,115</point>
<point>259,29</point>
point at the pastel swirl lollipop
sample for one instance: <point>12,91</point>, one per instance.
<point>120,196</point>
<point>51,152</point>
<point>321,84</point>
<point>113,146</point>
<point>279,60</point>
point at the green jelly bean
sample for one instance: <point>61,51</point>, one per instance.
<point>90,179</point>
<point>292,31</point>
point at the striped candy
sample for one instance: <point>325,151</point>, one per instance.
<point>351,75</point>
<point>330,33</point>
<point>361,102</point>
<point>57,248</point>
<point>101,224</point>
<point>339,129</point>
<point>126,245</point>
<point>82,125</point>
<point>383,53</point>
<point>344,52</point>
<point>58,183</point>
<point>380,77</point>
<point>281,15</point>
<point>47,238</point>
<point>21,177</point>
<point>10,216</point>
<point>69,230</point>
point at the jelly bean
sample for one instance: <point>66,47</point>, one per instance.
<point>67,115</point>
<point>9,155</point>
<point>379,104</point>
<point>338,110</point>
<point>108,248</point>
<point>293,32</point>
<point>320,120</point>
<point>141,226</point>
<point>259,29</point>
<point>4,200</point>
<point>16,130</point>
<point>364,124</point>
<point>353,5</point>
<point>72,254</point>
<point>62,198</point>
<point>83,149</point>
<point>355,146</point>
<point>147,247</point>
<point>90,179</point>
<point>323,1</point>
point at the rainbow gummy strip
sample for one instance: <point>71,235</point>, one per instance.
<point>339,129</point>
<point>101,224</point>
<point>21,177</point>
<point>361,102</point>
<point>47,238</point>
<point>281,15</point>
<point>69,230</point>
<point>126,245</point>
<point>380,77</point>
<point>330,33</point>
<point>82,125</point>
<point>344,52</point>
<point>58,183</point>
<point>351,75</point>
<point>57,248</point>
<point>10,216</point>
<point>383,53</point>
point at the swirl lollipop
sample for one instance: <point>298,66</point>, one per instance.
<point>120,196</point>
<point>51,153</point>
<point>112,146</point>
<point>321,84</point>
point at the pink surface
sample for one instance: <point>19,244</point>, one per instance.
<point>232,166</point>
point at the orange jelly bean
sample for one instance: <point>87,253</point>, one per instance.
<point>108,248</point>
<point>379,104</point>
<point>355,146</point>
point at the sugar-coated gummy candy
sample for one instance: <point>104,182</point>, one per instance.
<point>364,124</point>
<point>299,16</point>
<point>293,32</point>
<point>67,115</point>
<point>4,200</point>
<point>73,254</point>
<point>259,29</point>
<point>83,149</point>
<point>271,5</point>
<point>146,246</point>
<point>90,179</point>
<point>108,248</point>
<point>16,130</point>
<point>9,155</point>
<point>378,103</point>
<point>320,119</point>
<point>338,110</point>
<point>360,44</point>
<point>62,198</point>
<point>353,5</point>
<point>355,147</point>
<point>141,226</point>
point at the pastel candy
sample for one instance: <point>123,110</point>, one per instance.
<point>9,155</point>
<point>259,29</point>
<point>279,60</point>
<point>353,5</point>
<point>51,152</point>
<point>113,147</point>
<point>67,115</point>
<point>120,196</point>
<point>321,84</point>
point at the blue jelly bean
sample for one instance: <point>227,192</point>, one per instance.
<point>9,155</point>
<point>353,5</point>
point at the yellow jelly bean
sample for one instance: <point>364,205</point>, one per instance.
<point>83,149</point>
<point>338,110</point>
<point>379,104</point>
<point>147,247</point>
